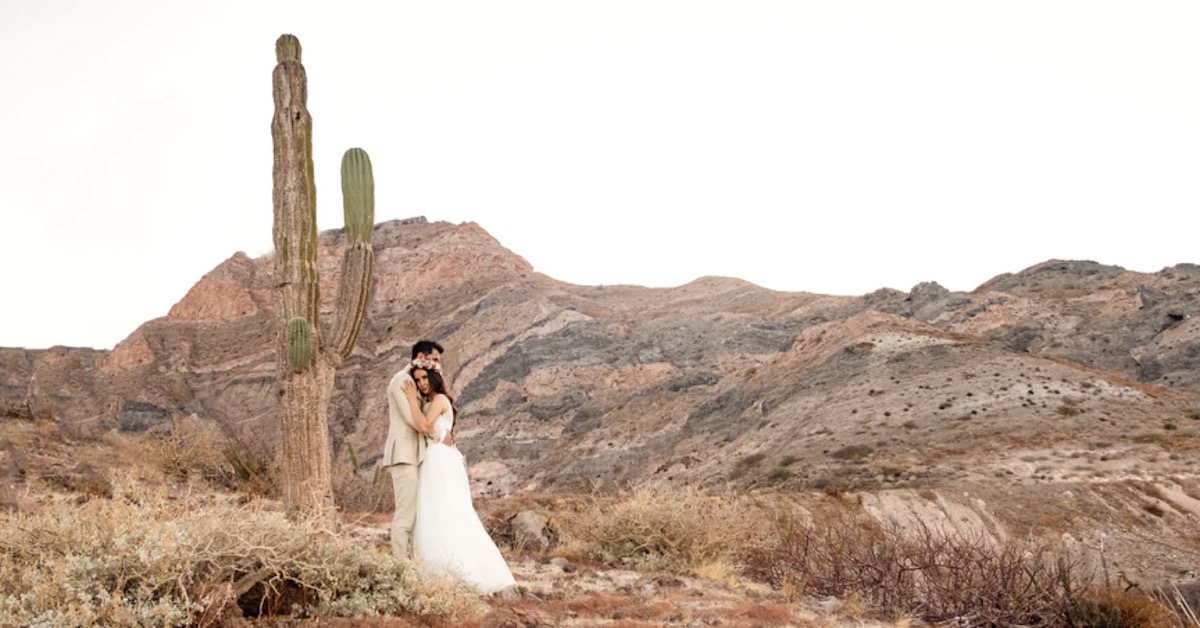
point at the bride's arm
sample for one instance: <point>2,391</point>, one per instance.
<point>433,410</point>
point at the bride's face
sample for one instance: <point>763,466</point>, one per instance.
<point>421,379</point>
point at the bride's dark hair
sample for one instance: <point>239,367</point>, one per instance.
<point>437,385</point>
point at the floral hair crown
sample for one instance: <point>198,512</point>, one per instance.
<point>425,364</point>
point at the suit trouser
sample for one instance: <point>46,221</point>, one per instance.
<point>404,492</point>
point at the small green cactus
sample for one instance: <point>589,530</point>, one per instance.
<point>299,344</point>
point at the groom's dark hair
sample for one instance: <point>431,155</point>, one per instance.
<point>426,347</point>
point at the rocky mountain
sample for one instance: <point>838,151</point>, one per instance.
<point>1068,373</point>
<point>569,387</point>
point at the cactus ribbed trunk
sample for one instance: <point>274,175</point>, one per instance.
<point>306,471</point>
<point>306,363</point>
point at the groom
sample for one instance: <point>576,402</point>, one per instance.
<point>405,449</point>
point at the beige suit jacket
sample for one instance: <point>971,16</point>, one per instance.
<point>405,445</point>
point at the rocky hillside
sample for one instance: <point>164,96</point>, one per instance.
<point>572,387</point>
<point>1067,374</point>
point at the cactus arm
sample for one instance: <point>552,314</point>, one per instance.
<point>358,195</point>
<point>354,289</point>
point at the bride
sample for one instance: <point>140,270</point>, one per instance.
<point>448,536</point>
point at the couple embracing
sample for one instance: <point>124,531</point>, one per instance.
<point>435,520</point>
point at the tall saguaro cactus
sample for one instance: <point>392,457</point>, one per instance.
<point>307,360</point>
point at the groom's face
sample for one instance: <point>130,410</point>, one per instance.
<point>434,356</point>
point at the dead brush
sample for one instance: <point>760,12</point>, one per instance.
<point>148,559</point>
<point>193,448</point>
<point>680,530</point>
<point>357,492</point>
<point>1183,599</point>
<point>186,447</point>
<point>921,572</point>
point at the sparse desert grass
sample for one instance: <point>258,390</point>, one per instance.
<point>149,559</point>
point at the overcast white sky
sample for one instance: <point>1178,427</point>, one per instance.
<point>834,147</point>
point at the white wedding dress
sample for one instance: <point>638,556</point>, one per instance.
<point>448,537</point>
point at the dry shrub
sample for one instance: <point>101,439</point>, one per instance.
<point>150,560</point>
<point>677,531</point>
<point>927,574</point>
<point>921,574</point>
<point>1115,608</point>
<point>357,491</point>
<point>1184,599</point>
<point>254,466</point>
<point>187,447</point>
<point>720,570</point>
<point>201,449</point>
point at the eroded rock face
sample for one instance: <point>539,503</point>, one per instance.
<point>717,382</point>
<point>225,294</point>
